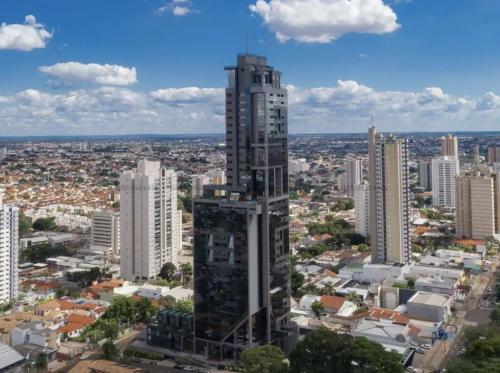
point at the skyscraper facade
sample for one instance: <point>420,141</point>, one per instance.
<point>494,154</point>
<point>449,146</point>
<point>148,220</point>
<point>444,172</point>
<point>478,203</point>
<point>241,243</point>
<point>389,198</point>
<point>9,251</point>
<point>354,173</point>
<point>362,208</point>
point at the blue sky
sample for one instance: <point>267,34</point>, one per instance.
<point>156,66</point>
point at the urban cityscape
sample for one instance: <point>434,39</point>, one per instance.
<point>261,244</point>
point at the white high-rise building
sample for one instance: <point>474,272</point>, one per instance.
<point>149,231</point>
<point>389,198</point>
<point>105,236</point>
<point>362,208</point>
<point>9,251</point>
<point>296,166</point>
<point>197,184</point>
<point>444,172</point>
<point>3,153</point>
<point>354,174</point>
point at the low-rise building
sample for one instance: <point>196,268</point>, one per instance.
<point>429,307</point>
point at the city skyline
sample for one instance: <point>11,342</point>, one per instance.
<point>60,80</point>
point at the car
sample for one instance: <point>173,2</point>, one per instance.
<point>84,356</point>
<point>426,346</point>
<point>420,350</point>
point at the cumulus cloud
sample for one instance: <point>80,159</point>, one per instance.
<point>69,73</point>
<point>24,37</point>
<point>322,21</point>
<point>343,107</point>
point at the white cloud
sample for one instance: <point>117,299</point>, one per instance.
<point>344,107</point>
<point>180,11</point>
<point>24,37</point>
<point>178,8</point>
<point>322,21</point>
<point>69,73</point>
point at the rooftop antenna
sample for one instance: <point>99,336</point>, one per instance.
<point>372,120</point>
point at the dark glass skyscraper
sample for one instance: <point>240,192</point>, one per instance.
<point>241,244</point>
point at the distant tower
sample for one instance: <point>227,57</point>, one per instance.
<point>354,174</point>
<point>362,208</point>
<point>148,220</point>
<point>449,146</point>
<point>389,198</point>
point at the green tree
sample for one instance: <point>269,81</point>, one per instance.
<point>495,316</point>
<point>41,362</point>
<point>24,225</point>
<point>167,272</point>
<point>317,308</point>
<point>168,302</point>
<point>109,350</point>
<point>187,272</point>
<point>185,306</point>
<point>264,359</point>
<point>297,280</point>
<point>45,224</point>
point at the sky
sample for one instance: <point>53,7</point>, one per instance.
<point>94,67</point>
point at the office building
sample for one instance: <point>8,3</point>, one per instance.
<point>389,198</point>
<point>241,243</point>
<point>425,174</point>
<point>478,204</point>
<point>354,174</point>
<point>494,154</point>
<point>105,232</point>
<point>449,146</point>
<point>362,208</point>
<point>444,172</point>
<point>9,251</point>
<point>148,220</point>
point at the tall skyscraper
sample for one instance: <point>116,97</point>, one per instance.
<point>148,220</point>
<point>444,172</point>
<point>362,208</point>
<point>449,146</point>
<point>494,154</point>
<point>478,203</point>
<point>197,184</point>
<point>9,251</point>
<point>105,232</point>
<point>425,174</point>
<point>354,173</point>
<point>241,243</point>
<point>389,198</point>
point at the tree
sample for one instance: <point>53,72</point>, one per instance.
<point>264,359</point>
<point>362,248</point>
<point>187,272</point>
<point>167,272</point>
<point>185,306</point>
<point>352,296</point>
<point>327,289</point>
<point>168,302</point>
<point>109,350</point>
<point>495,316</point>
<point>297,280</point>
<point>41,362</point>
<point>325,351</point>
<point>24,224</point>
<point>317,308</point>
<point>45,224</point>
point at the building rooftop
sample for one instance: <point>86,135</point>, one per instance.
<point>429,299</point>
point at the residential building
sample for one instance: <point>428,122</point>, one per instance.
<point>429,307</point>
<point>494,154</point>
<point>296,166</point>
<point>477,204</point>
<point>449,146</point>
<point>241,244</point>
<point>9,251</point>
<point>444,172</point>
<point>389,198</point>
<point>354,174</point>
<point>105,236</point>
<point>425,174</point>
<point>362,208</point>
<point>148,225</point>
<point>197,184</point>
